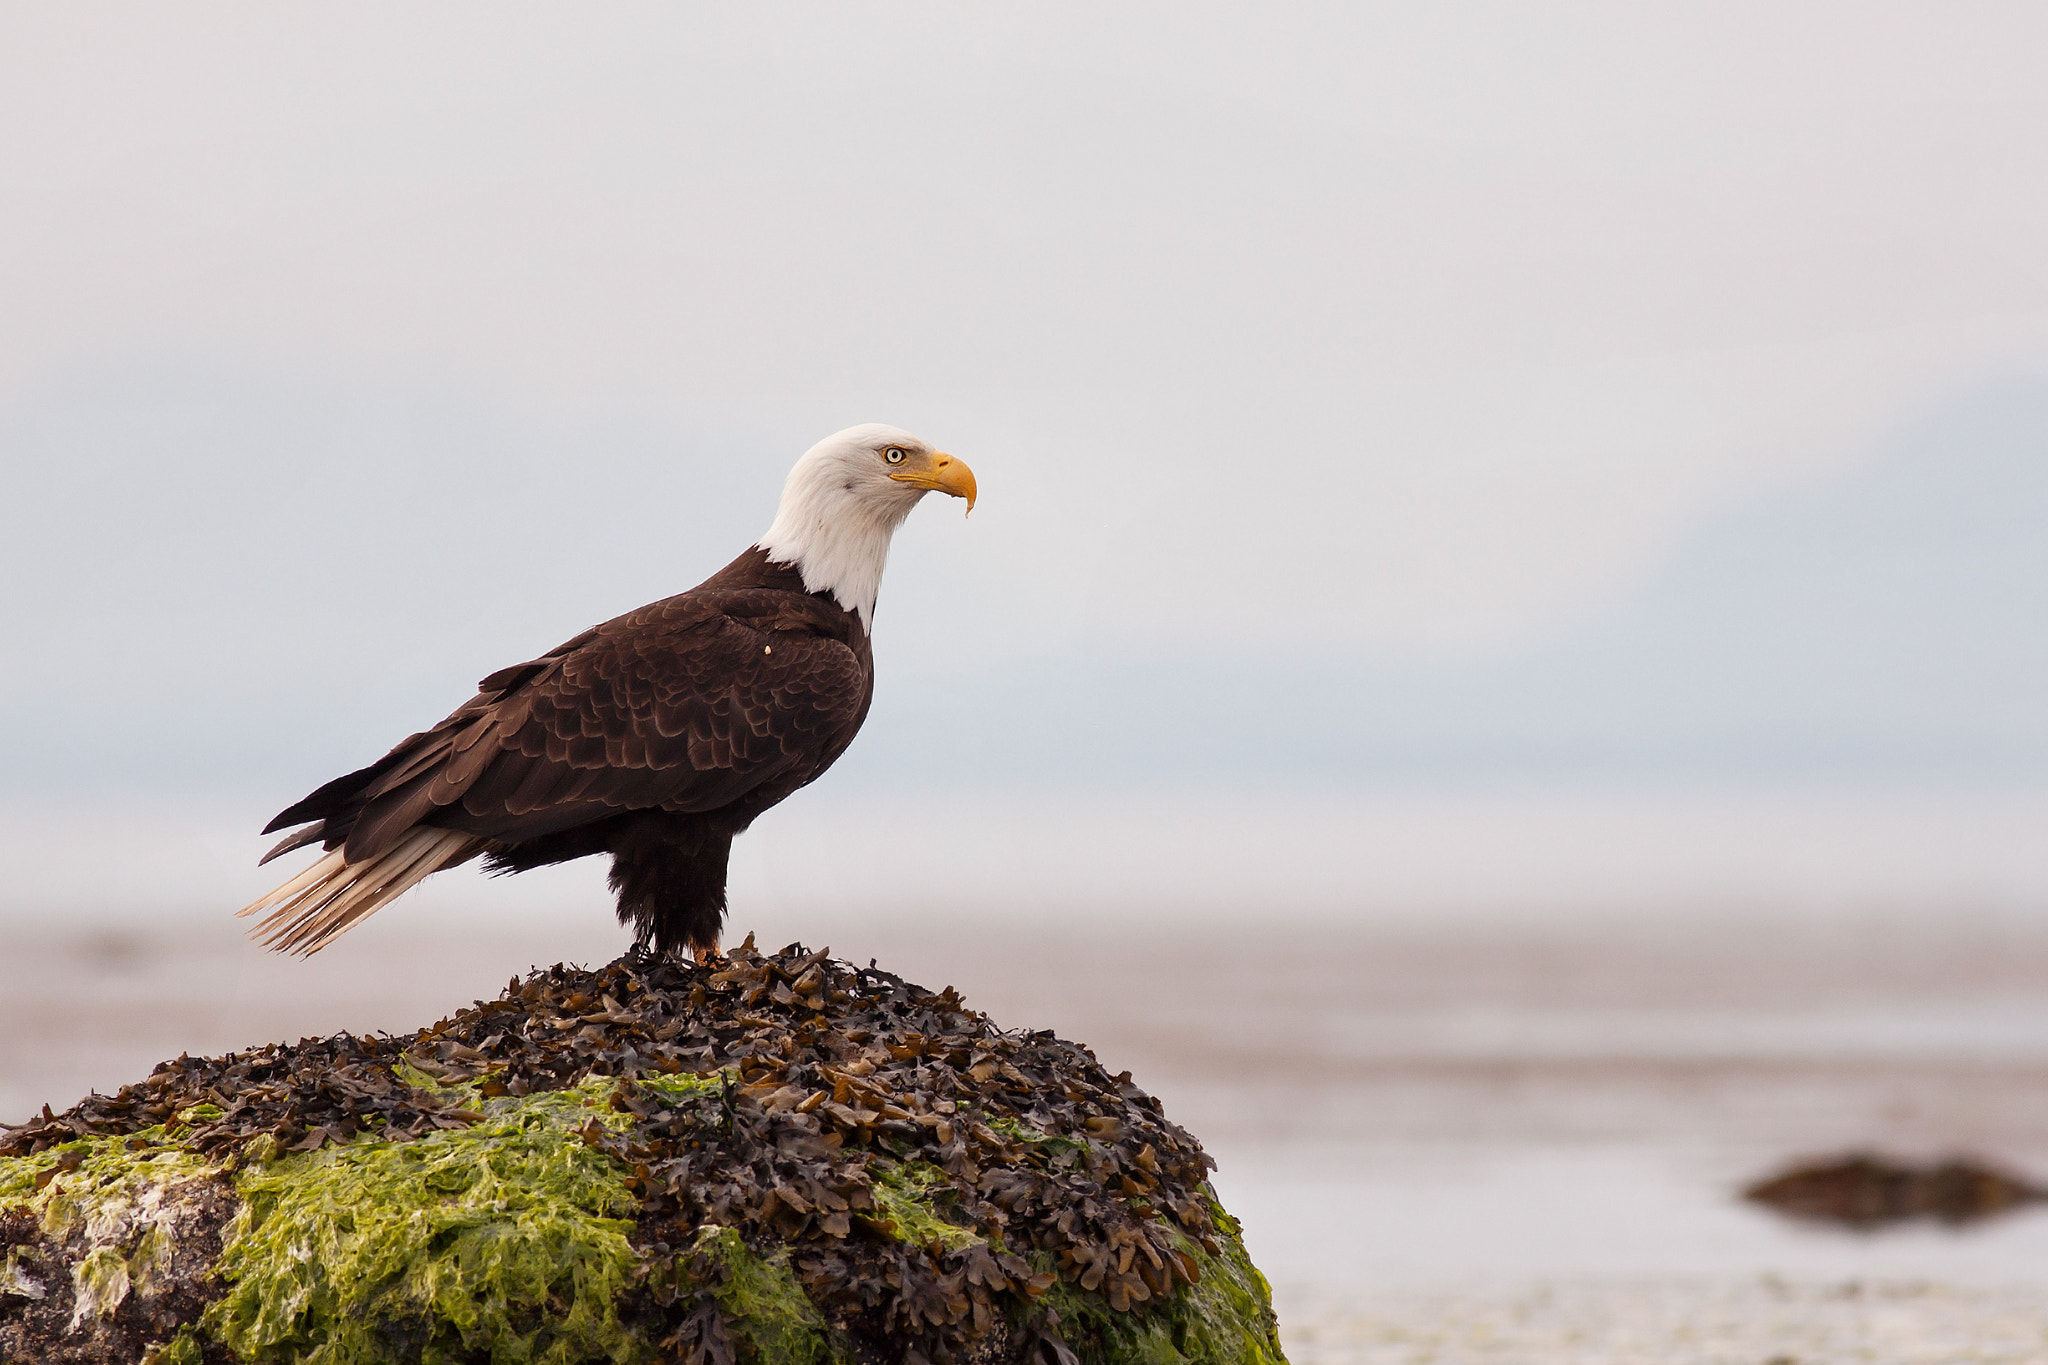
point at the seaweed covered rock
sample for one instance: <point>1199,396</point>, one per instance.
<point>1866,1191</point>
<point>777,1158</point>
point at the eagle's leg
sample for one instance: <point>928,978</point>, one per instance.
<point>669,873</point>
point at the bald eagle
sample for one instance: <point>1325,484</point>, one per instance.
<point>655,737</point>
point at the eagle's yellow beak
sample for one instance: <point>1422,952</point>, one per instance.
<point>942,473</point>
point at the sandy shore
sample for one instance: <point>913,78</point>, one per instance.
<point>1756,1321</point>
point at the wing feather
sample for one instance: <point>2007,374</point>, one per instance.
<point>687,705</point>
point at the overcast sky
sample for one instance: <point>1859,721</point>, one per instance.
<point>1401,369</point>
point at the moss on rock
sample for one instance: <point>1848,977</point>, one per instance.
<point>786,1161</point>
<point>106,1244</point>
<point>507,1240</point>
<point>766,1309</point>
<point>1226,1315</point>
<point>908,1199</point>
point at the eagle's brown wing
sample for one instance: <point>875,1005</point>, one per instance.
<point>690,704</point>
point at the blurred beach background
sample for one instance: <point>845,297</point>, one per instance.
<point>1499,666</point>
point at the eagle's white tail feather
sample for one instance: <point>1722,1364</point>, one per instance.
<point>308,911</point>
<point>324,867</point>
<point>411,862</point>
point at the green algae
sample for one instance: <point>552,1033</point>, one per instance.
<point>685,1085</point>
<point>111,1194</point>
<point>1224,1318</point>
<point>907,1196</point>
<point>1019,1131</point>
<point>503,1240</point>
<point>16,1282</point>
<point>182,1349</point>
<point>99,1283</point>
<point>766,1308</point>
<point>97,1180</point>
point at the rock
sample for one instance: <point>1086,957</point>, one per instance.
<point>1864,1191</point>
<point>780,1158</point>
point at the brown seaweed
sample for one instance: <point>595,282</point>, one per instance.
<point>1865,1191</point>
<point>827,1074</point>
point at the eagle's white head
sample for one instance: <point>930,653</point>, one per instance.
<point>843,501</point>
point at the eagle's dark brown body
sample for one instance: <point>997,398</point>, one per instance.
<point>655,737</point>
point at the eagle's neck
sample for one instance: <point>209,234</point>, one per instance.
<point>837,538</point>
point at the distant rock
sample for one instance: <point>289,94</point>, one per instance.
<point>780,1158</point>
<point>1864,1191</point>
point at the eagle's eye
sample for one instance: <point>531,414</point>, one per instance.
<point>895,454</point>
